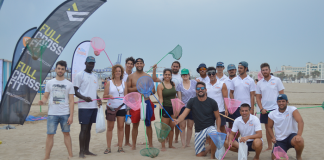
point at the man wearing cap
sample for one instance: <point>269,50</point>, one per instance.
<point>136,115</point>
<point>231,70</point>
<point>250,129</point>
<point>217,90</point>
<point>243,88</point>
<point>288,125</point>
<point>220,71</point>
<point>85,88</point>
<point>176,77</point>
<point>267,91</point>
<point>202,69</point>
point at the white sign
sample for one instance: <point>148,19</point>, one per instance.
<point>80,56</point>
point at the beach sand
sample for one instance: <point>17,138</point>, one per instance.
<point>28,141</point>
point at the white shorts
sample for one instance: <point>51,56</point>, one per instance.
<point>200,138</point>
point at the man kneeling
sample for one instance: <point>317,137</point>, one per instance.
<point>250,128</point>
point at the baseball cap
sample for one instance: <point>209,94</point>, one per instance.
<point>230,67</point>
<point>219,64</point>
<point>184,71</point>
<point>90,59</point>
<point>245,64</point>
<point>139,60</point>
<point>202,65</point>
<point>282,96</point>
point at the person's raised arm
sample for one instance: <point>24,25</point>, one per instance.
<point>300,122</point>
<point>225,92</point>
<point>154,77</point>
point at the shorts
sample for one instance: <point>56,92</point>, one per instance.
<point>264,117</point>
<point>223,119</point>
<point>168,109</point>
<point>286,143</point>
<point>87,116</point>
<point>136,115</point>
<point>249,144</point>
<point>189,116</point>
<point>234,115</point>
<point>120,113</point>
<point>200,138</point>
<point>54,120</point>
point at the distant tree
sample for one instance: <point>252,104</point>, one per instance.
<point>299,75</point>
<point>281,75</point>
<point>315,74</point>
<point>293,78</point>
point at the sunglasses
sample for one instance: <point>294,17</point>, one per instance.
<point>211,73</point>
<point>200,88</point>
<point>202,69</point>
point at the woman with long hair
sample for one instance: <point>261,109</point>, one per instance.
<point>166,91</point>
<point>115,107</point>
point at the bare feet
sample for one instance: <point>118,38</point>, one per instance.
<point>268,149</point>
<point>128,144</point>
<point>255,158</point>
<point>81,155</point>
<point>176,141</point>
<point>172,147</point>
<point>89,153</point>
<point>163,149</point>
<point>141,143</point>
<point>183,147</point>
<point>187,145</point>
<point>298,158</point>
<point>70,157</point>
<point>134,147</point>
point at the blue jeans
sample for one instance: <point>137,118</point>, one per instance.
<point>54,120</point>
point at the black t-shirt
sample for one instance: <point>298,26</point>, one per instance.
<point>203,112</point>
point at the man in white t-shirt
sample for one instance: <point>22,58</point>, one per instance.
<point>176,77</point>
<point>267,91</point>
<point>288,125</point>
<point>60,92</point>
<point>243,88</point>
<point>250,129</point>
<point>202,70</point>
<point>231,70</point>
<point>220,72</point>
<point>85,87</point>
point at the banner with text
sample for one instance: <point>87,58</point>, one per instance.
<point>79,57</point>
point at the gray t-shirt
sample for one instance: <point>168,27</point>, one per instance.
<point>186,94</point>
<point>203,112</point>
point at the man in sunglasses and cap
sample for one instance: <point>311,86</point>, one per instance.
<point>204,111</point>
<point>202,69</point>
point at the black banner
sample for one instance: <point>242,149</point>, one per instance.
<point>24,82</point>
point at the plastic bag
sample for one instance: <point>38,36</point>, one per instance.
<point>128,119</point>
<point>143,109</point>
<point>242,151</point>
<point>100,121</point>
<point>220,153</point>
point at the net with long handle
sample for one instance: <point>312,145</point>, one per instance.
<point>176,52</point>
<point>162,131</point>
<point>133,100</point>
<point>232,104</point>
<point>99,45</point>
<point>177,105</point>
<point>218,138</point>
<point>280,154</point>
<point>36,47</point>
<point>145,85</point>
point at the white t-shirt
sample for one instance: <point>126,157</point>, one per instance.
<point>269,91</point>
<point>116,92</point>
<point>126,76</point>
<point>176,79</point>
<point>284,123</point>
<point>242,89</point>
<point>223,78</point>
<point>228,83</point>
<point>59,91</point>
<point>215,92</point>
<point>87,84</point>
<point>249,128</point>
<point>205,80</point>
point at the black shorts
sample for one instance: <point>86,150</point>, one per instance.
<point>223,119</point>
<point>189,116</point>
<point>234,115</point>
<point>264,117</point>
<point>120,113</point>
<point>87,116</point>
<point>286,143</point>
<point>168,109</point>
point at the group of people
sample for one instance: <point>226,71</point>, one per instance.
<point>205,107</point>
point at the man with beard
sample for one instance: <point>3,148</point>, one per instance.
<point>220,72</point>
<point>267,91</point>
<point>251,132</point>
<point>231,70</point>
<point>60,108</point>
<point>204,111</point>
<point>176,78</point>
<point>202,70</point>
<point>85,88</point>
<point>288,125</point>
<point>136,115</point>
<point>243,88</point>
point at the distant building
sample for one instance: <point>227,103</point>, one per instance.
<point>309,67</point>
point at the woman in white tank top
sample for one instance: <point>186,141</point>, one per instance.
<point>115,88</point>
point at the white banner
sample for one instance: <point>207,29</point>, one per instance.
<point>1,72</point>
<point>79,57</point>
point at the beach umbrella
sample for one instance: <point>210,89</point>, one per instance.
<point>99,45</point>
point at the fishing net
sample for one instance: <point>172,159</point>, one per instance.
<point>162,130</point>
<point>150,152</point>
<point>36,47</point>
<point>98,45</point>
<point>280,153</point>
<point>176,52</point>
<point>232,104</point>
<point>145,85</point>
<point>218,138</point>
<point>228,130</point>
<point>177,104</point>
<point>133,100</point>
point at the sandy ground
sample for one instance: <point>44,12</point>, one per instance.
<point>28,141</point>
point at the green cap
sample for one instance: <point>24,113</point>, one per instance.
<point>184,71</point>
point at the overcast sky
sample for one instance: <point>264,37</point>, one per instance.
<point>280,32</point>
